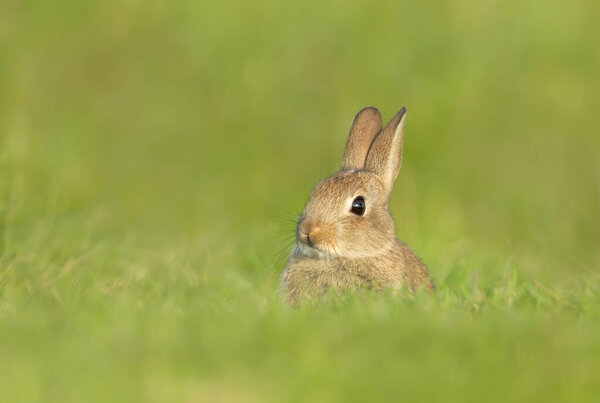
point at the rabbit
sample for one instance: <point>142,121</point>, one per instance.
<point>345,236</point>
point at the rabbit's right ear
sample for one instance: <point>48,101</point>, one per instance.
<point>385,155</point>
<point>365,127</point>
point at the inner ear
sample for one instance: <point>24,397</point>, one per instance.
<point>365,127</point>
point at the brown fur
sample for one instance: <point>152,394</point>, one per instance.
<point>338,250</point>
<point>365,127</point>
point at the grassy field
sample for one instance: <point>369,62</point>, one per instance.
<point>152,152</point>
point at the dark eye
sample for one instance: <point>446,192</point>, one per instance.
<point>358,206</point>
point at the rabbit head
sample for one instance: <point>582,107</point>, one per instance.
<point>347,214</point>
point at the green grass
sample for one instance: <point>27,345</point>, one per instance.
<point>150,153</point>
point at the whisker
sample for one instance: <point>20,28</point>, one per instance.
<point>287,234</point>
<point>280,257</point>
<point>286,215</point>
<point>335,249</point>
<point>338,251</point>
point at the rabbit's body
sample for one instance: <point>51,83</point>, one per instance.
<point>313,277</point>
<point>346,236</point>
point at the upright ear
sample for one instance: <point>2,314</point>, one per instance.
<point>385,156</point>
<point>365,127</point>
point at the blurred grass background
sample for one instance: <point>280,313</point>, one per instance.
<point>149,150</point>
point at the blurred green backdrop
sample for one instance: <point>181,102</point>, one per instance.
<point>151,152</point>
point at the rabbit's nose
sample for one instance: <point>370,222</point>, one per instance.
<point>303,236</point>
<point>310,232</point>
<point>312,236</point>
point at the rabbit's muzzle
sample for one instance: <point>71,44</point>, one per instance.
<point>315,234</point>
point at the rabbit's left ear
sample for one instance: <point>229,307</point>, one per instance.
<point>365,127</point>
<point>385,154</point>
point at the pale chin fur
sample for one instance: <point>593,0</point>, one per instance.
<point>304,250</point>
